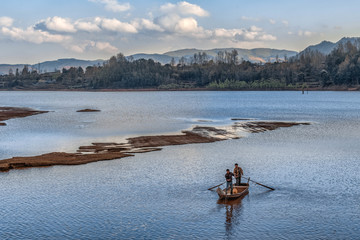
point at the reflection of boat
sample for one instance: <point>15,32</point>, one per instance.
<point>238,191</point>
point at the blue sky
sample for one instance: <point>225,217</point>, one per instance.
<point>39,30</point>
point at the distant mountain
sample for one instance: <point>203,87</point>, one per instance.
<point>51,66</point>
<point>253,55</point>
<point>326,47</point>
<point>161,58</point>
<point>4,68</point>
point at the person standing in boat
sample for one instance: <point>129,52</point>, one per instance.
<point>228,177</point>
<point>238,172</point>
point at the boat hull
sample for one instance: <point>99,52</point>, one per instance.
<point>238,191</point>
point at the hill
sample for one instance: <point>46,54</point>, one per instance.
<point>51,66</point>
<point>161,58</point>
<point>255,55</point>
<point>325,47</point>
<point>252,55</point>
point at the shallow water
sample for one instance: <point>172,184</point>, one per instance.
<point>315,169</point>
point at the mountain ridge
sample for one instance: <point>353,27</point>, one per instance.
<point>253,55</point>
<point>50,66</point>
<point>325,47</point>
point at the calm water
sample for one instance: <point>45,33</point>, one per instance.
<point>315,168</point>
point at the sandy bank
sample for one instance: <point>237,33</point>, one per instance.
<point>7,113</point>
<point>142,144</point>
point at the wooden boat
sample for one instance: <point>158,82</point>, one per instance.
<point>238,191</point>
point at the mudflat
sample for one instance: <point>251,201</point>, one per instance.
<point>7,113</point>
<point>142,144</point>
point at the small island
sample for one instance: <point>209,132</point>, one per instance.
<point>88,110</point>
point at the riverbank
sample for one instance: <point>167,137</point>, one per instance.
<point>142,144</point>
<point>332,88</point>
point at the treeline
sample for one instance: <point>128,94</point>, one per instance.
<point>310,69</point>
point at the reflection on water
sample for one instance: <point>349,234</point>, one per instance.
<point>162,195</point>
<point>233,212</point>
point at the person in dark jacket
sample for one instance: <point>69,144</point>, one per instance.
<point>238,172</point>
<point>228,177</point>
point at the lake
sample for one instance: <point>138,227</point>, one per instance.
<point>163,195</point>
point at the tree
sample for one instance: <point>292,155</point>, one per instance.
<point>172,62</point>
<point>25,71</point>
<point>234,57</point>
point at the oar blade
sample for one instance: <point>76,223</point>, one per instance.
<point>216,186</point>
<point>272,189</point>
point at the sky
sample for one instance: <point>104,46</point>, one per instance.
<point>39,30</point>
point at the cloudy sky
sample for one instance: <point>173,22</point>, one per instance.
<point>39,30</point>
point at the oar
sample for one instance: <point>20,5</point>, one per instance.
<point>259,183</point>
<point>216,186</point>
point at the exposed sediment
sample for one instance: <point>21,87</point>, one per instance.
<point>88,110</point>
<point>7,113</point>
<point>112,150</point>
<point>262,126</point>
<point>57,158</point>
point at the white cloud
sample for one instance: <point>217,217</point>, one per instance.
<point>186,25</point>
<point>106,47</point>
<point>286,23</point>
<point>87,26</point>
<point>113,5</point>
<point>267,37</point>
<point>168,22</point>
<point>255,29</point>
<point>272,21</point>
<point>32,35</point>
<point>6,21</point>
<point>305,33</point>
<point>75,48</point>
<point>252,34</point>
<point>249,36</point>
<point>147,25</point>
<point>174,23</point>
<point>115,25</point>
<point>59,24</point>
<point>184,8</point>
<point>227,33</point>
<point>308,33</point>
<point>91,45</point>
<point>302,33</point>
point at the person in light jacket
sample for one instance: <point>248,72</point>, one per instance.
<point>238,172</point>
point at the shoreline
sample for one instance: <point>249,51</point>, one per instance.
<point>142,144</point>
<point>328,89</point>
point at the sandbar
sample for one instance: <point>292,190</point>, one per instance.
<point>7,113</point>
<point>142,144</point>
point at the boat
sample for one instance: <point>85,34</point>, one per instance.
<point>238,191</point>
